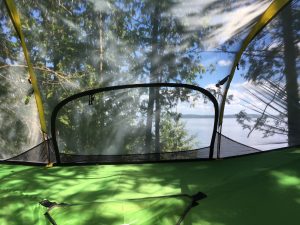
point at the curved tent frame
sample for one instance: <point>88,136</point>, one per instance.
<point>148,85</point>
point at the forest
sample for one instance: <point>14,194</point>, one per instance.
<point>82,45</point>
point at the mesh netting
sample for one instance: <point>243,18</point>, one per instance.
<point>104,43</point>
<point>265,90</point>
<point>100,44</point>
<point>20,128</point>
<point>124,123</point>
<point>42,153</point>
<point>135,158</point>
<point>229,148</point>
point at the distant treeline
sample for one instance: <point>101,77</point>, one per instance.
<point>195,116</point>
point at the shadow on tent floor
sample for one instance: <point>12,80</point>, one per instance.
<point>257,189</point>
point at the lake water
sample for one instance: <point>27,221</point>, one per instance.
<point>202,129</point>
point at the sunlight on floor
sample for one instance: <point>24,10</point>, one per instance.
<point>286,179</point>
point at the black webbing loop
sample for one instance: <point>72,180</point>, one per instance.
<point>50,219</point>
<point>195,198</point>
<point>194,202</point>
<point>91,99</point>
<point>223,81</point>
<point>49,205</point>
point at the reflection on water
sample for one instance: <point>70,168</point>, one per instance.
<point>202,129</point>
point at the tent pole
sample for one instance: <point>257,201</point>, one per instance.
<point>15,18</point>
<point>275,7</point>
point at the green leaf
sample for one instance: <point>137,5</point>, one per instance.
<point>64,120</point>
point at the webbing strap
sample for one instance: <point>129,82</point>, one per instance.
<point>265,18</point>
<point>194,202</point>
<point>15,18</point>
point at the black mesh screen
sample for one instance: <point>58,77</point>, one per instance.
<point>136,158</point>
<point>42,153</point>
<point>229,148</point>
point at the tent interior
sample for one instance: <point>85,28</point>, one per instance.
<point>198,100</point>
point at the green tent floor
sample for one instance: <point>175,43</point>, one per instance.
<point>261,189</point>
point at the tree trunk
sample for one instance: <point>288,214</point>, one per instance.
<point>290,55</point>
<point>153,77</point>
<point>157,120</point>
<point>148,139</point>
<point>101,51</point>
<point>101,18</point>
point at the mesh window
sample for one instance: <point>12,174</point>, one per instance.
<point>136,124</point>
<point>20,127</point>
<point>41,154</point>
